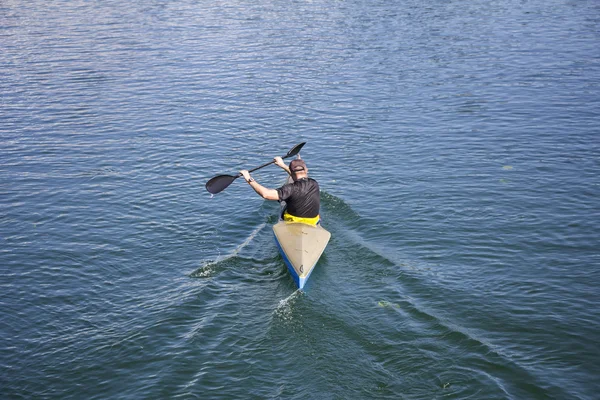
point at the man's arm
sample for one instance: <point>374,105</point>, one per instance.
<point>265,193</point>
<point>279,162</point>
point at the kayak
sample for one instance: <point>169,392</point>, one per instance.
<point>301,246</point>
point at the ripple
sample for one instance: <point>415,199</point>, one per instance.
<point>455,145</point>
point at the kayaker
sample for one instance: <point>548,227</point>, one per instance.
<point>302,197</point>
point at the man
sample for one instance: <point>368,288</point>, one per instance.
<point>302,197</point>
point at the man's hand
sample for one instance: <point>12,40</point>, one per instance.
<point>245,174</point>
<point>265,193</point>
<point>279,162</point>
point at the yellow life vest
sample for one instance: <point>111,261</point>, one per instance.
<point>309,221</point>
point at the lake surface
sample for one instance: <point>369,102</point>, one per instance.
<point>457,148</point>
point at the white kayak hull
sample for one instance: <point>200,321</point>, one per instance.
<point>301,246</point>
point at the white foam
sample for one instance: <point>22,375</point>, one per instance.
<point>284,308</point>
<point>207,269</point>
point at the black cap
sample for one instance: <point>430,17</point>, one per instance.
<point>297,165</point>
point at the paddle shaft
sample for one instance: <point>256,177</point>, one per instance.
<point>264,165</point>
<point>257,168</point>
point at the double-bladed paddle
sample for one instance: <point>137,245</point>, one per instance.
<point>220,182</point>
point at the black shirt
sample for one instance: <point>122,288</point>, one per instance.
<point>302,197</point>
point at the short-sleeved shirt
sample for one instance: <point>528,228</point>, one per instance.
<point>302,197</point>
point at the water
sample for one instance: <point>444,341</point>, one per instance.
<point>456,144</point>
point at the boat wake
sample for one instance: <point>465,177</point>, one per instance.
<point>401,282</point>
<point>285,307</point>
<point>334,208</point>
<point>342,220</point>
<point>211,268</point>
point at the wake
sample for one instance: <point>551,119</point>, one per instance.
<point>210,268</point>
<point>285,307</point>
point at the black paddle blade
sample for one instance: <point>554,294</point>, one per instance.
<point>295,150</point>
<point>219,183</point>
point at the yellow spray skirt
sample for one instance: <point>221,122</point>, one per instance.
<point>309,221</point>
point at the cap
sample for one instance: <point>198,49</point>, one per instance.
<point>297,165</point>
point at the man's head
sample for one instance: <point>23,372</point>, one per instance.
<point>298,169</point>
